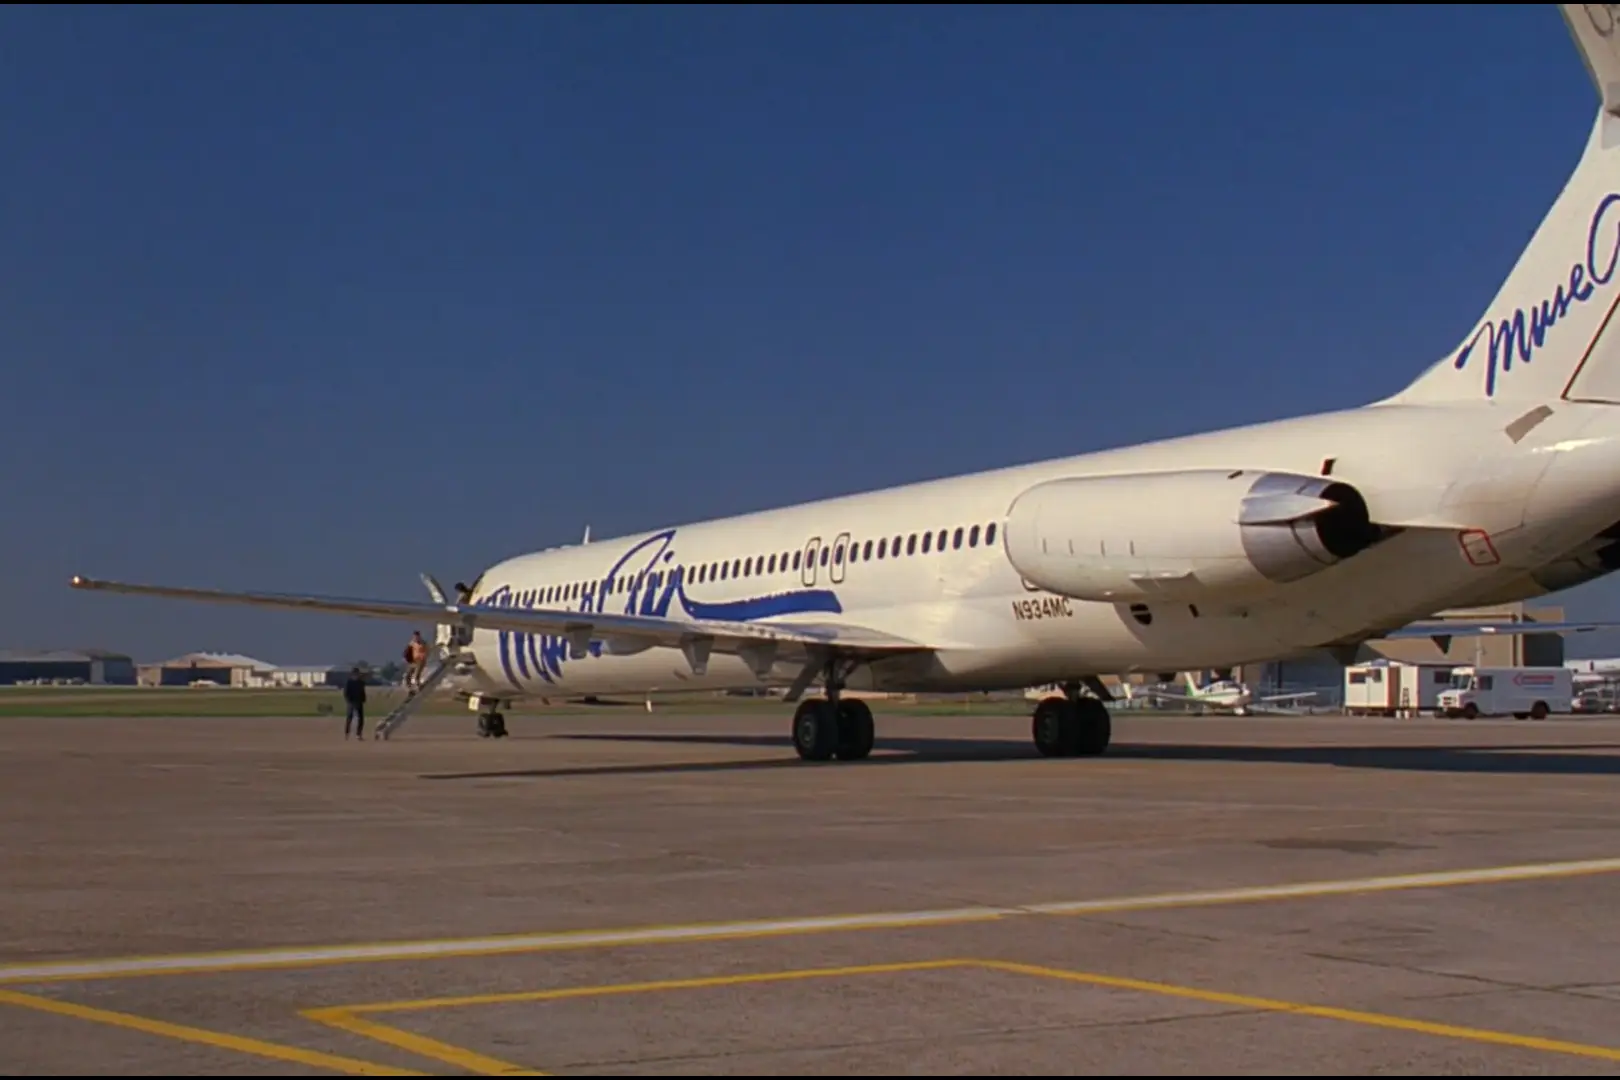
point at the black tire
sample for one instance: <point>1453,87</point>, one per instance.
<point>1053,728</point>
<point>815,730</point>
<point>856,730</point>
<point>1539,711</point>
<point>1094,728</point>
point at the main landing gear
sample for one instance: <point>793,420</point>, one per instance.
<point>831,726</point>
<point>491,721</point>
<point>1072,726</point>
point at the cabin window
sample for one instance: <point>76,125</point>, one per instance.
<point>973,537</point>
<point>838,554</point>
<point>911,544</point>
<point>825,554</point>
<point>883,547</point>
<point>725,571</point>
<point>772,565</point>
<point>943,533</point>
<point>866,551</point>
<point>990,533</point>
<point>956,540</point>
<point>928,540</point>
<point>798,559</point>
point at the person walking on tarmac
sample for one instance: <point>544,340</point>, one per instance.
<point>416,654</point>
<point>354,692</point>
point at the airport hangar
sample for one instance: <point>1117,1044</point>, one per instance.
<point>96,667</point>
<point>233,669</point>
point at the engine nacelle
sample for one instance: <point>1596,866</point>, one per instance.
<point>1198,535</point>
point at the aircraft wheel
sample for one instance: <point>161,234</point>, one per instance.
<point>1094,727</point>
<point>815,730</point>
<point>1054,728</point>
<point>856,730</point>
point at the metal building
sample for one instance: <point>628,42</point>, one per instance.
<point>223,669</point>
<point>95,667</point>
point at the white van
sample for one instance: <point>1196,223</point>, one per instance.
<point>1500,691</point>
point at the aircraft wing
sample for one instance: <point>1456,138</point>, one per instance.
<point>1169,695</point>
<point>1442,632</point>
<point>1300,696</point>
<point>579,626</point>
<point>1466,628</point>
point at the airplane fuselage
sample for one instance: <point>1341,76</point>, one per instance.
<point>1419,468</point>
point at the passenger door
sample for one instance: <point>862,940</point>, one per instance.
<point>811,551</point>
<point>840,554</point>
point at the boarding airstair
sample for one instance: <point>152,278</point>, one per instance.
<point>414,699</point>
<point>447,643</point>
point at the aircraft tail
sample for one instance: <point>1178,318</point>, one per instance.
<point>1549,333</point>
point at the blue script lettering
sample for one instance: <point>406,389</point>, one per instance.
<point>1521,334</point>
<point>650,594</point>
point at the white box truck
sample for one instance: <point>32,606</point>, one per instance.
<point>1394,688</point>
<point>1502,691</point>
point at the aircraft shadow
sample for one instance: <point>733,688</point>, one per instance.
<point>1523,759</point>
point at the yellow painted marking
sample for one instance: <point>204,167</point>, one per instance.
<point>184,1033</point>
<point>1352,1016</point>
<point>513,944</point>
<point>1215,997</point>
<point>456,1056</point>
<point>661,986</point>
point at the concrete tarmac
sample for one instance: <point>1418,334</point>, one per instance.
<point>621,893</point>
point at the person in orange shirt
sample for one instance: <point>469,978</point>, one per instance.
<point>416,654</point>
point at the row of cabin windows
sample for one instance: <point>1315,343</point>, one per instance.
<point>837,554</point>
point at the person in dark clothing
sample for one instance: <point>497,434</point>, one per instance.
<point>354,692</point>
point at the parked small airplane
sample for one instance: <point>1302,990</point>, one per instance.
<point>1227,695</point>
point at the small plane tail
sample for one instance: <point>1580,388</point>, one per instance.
<point>1549,332</point>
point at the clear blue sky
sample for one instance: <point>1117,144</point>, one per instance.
<point>314,299</point>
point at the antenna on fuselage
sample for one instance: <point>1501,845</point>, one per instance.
<point>587,535</point>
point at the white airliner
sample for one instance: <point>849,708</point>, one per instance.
<point>1493,477</point>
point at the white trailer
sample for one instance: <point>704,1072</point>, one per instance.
<point>1394,688</point>
<point>1502,691</point>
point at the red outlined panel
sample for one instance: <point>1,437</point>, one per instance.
<point>1477,548</point>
